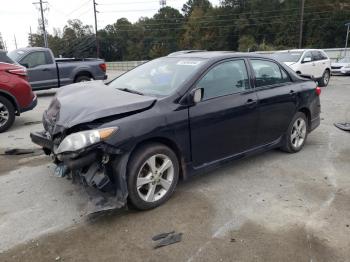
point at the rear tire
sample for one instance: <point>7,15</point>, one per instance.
<point>296,135</point>
<point>82,79</point>
<point>323,82</point>
<point>7,114</point>
<point>152,175</point>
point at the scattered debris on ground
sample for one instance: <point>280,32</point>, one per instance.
<point>165,239</point>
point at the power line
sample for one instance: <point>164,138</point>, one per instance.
<point>200,21</point>
<point>215,26</point>
<point>233,14</point>
<point>76,9</point>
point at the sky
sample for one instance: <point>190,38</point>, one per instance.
<point>18,16</point>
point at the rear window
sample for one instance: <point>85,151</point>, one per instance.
<point>5,59</point>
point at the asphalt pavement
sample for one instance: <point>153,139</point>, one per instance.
<point>271,207</point>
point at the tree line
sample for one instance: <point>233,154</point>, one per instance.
<point>238,25</point>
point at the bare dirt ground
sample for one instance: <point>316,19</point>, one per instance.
<point>271,207</point>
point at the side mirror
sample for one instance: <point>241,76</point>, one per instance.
<point>24,64</point>
<point>306,59</point>
<point>196,95</point>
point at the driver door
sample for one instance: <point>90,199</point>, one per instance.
<point>224,122</point>
<point>41,70</point>
<point>308,67</point>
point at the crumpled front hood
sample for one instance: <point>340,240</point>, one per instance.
<point>88,101</point>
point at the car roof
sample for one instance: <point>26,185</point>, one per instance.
<point>214,54</point>
<point>298,50</point>
<point>27,49</point>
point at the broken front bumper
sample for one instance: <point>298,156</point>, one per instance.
<point>101,170</point>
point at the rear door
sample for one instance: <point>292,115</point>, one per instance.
<point>319,63</point>
<point>224,122</point>
<point>41,68</point>
<point>277,99</point>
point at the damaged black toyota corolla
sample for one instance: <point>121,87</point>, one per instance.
<point>132,139</point>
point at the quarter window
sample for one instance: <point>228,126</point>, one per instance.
<point>268,73</point>
<point>34,59</point>
<point>224,79</point>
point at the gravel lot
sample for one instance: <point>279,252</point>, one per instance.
<point>271,207</point>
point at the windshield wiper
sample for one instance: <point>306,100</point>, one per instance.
<point>131,91</point>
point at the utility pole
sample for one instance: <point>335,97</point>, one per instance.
<point>97,44</point>
<point>30,36</point>
<point>162,3</point>
<point>347,38</point>
<point>15,41</point>
<point>42,20</point>
<point>301,23</point>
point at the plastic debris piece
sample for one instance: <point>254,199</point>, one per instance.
<point>17,151</point>
<point>162,235</point>
<point>168,240</point>
<point>343,126</point>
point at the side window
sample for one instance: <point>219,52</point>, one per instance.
<point>307,55</point>
<point>268,73</point>
<point>322,55</point>
<point>316,56</point>
<point>34,59</point>
<point>224,79</point>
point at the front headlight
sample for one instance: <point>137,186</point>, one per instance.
<point>80,140</point>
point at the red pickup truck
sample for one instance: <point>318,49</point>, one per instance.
<point>16,95</point>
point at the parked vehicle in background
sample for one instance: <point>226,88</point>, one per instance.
<point>314,62</point>
<point>342,67</point>
<point>172,117</point>
<point>45,71</point>
<point>16,94</point>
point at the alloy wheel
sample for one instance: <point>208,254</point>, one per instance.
<point>155,178</point>
<point>326,78</point>
<point>4,114</point>
<point>298,133</point>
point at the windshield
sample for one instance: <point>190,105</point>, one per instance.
<point>159,77</point>
<point>15,55</point>
<point>288,56</point>
<point>5,59</point>
<point>344,60</point>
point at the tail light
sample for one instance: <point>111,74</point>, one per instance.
<point>22,72</point>
<point>318,90</point>
<point>103,67</point>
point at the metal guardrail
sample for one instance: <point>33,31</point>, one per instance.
<point>123,65</point>
<point>333,53</point>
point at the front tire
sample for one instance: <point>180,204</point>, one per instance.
<point>153,173</point>
<point>296,134</point>
<point>7,114</point>
<point>325,78</point>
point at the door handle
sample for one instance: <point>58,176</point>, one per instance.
<point>251,102</point>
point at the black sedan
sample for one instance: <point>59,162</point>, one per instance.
<point>134,138</point>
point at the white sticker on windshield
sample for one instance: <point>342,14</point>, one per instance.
<point>189,63</point>
<point>20,52</point>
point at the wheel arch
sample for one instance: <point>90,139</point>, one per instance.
<point>13,101</point>
<point>307,113</point>
<point>83,73</point>
<point>169,143</point>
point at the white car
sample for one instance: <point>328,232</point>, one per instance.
<point>342,67</point>
<point>314,62</point>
